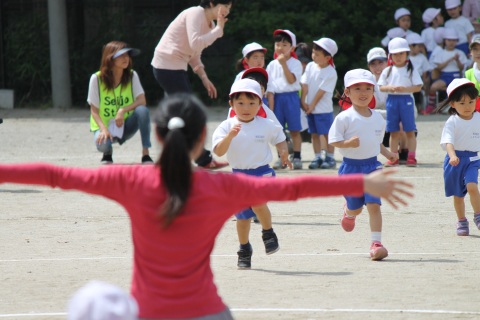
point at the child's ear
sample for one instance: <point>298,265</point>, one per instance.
<point>347,92</point>
<point>230,102</point>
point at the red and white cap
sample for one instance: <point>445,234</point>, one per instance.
<point>450,4</point>
<point>356,76</point>
<point>252,47</point>
<point>246,85</point>
<point>430,14</point>
<point>290,34</point>
<point>400,12</point>
<point>456,83</point>
<point>253,70</point>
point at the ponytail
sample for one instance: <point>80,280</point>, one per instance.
<point>180,122</point>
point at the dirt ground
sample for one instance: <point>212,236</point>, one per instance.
<point>53,242</point>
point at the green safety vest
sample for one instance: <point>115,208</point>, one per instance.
<point>471,76</point>
<point>111,101</point>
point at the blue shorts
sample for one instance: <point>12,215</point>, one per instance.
<point>457,177</point>
<point>364,166</point>
<point>448,77</point>
<point>464,48</point>
<point>287,110</point>
<point>319,123</point>
<point>400,110</point>
<point>265,171</point>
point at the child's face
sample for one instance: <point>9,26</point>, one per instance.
<point>450,44</point>
<point>361,94</point>
<point>438,21</point>
<point>283,47</point>
<point>465,107</point>
<point>454,12</point>
<point>400,58</point>
<point>246,108</point>
<point>319,57</point>
<point>475,52</point>
<point>376,67</point>
<point>256,60</point>
<point>404,22</point>
<point>415,49</point>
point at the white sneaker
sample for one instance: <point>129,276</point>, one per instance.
<point>297,164</point>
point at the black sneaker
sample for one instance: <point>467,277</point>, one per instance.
<point>146,159</point>
<point>271,242</point>
<point>106,159</point>
<point>244,259</point>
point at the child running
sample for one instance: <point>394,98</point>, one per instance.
<point>358,133</point>
<point>399,80</point>
<point>460,138</point>
<point>246,139</point>
<point>177,209</point>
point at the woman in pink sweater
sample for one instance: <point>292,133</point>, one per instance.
<point>181,45</point>
<point>177,210</point>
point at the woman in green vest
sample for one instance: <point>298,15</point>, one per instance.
<point>117,102</point>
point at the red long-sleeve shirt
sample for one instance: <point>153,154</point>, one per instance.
<point>172,277</point>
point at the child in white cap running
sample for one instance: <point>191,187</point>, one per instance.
<point>460,140</point>
<point>246,139</point>
<point>358,133</point>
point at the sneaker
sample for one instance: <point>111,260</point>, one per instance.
<point>329,163</point>
<point>390,163</point>
<point>378,251</point>
<point>428,110</point>
<point>316,163</point>
<point>462,228</point>
<point>244,258</point>
<point>106,159</point>
<point>297,164</point>
<point>278,165</point>
<point>214,165</point>
<point>271,242</point>
<point>348,223</point>
<point>476,219</point>
<point>411,162</point>
<point>146,159</point>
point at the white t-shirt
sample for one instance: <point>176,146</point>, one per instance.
<point>317,78</point>
<point>462,25</point>
<point>400,77</point>
<point>277,82</point>
<point>250,149</point>
<point>428,38</point>
<point>380,101</point>
<point>444,55</point>
<point>370,131</point>
<point>94,95</point>
<point>270,114</point>
<point>463,134</point>
<point>420,63</point>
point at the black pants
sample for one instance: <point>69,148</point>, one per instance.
<point>176,81</point>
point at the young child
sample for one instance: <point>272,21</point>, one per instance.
<point>473,74</point>
<point>304,55</point>
<point>400,80</point>
<point>460,138</point>
<point>432,17</point>
<point>282,91</point>
<point>420,64</point>
<point>253,57</point>
<point>462,25</point>
<point>403,20</point>
<point>358,133</point>
<point>318,85</point>
<point>449,62</point>
<point>245,139</point>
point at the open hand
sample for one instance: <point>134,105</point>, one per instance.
<point>380,183</point>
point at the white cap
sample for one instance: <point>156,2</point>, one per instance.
<point>400,12</point>
<point>132,52</point>
<point>246,85</point>
<point>475,39</point>
<point>397,45</point>
<point>99,300</point>
<point>376,53</point>
<point>458,83</point>
<point>430,14</point>
<point>450,4</point>
<point>396,32</point>
<point>290,34</point>
<point>358,76</point>
<point>438,35</point>
<point>414,38</point>
<point>450,34</point>
<point>252,47</point>
<point>328,44</point>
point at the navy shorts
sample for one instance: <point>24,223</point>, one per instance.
<point>265,171</point>
<point>365,166</point>
<point>320,123</point>
<point>457,177</point>
<point>448,77</point>
<point>287,110</point>
<point>400,109</point>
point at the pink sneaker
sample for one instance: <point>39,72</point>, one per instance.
<point>428,110</point>
<point>390,163</point>
<point>348,224</point>
<point>378,251</point>
<point>411,162</point>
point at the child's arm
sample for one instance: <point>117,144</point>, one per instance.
<point>316,99</point>
<point>412,89</point>
<point>282,150</point>
<point>303,100</point>
<point>353,142</point>
<point>271,100</point>
<point>392,156</point>
<point>222,147</point>
<point>288,74</point>
<point>452,154</point>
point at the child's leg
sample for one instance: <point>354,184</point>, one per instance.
<point>316,144</point>
<point>297,141</point>
<point>329,162</point>
<point>377,250</point>
<point>243,230</point>
<point>472,189</point>
<point>411,143</point>
<point>268,235</point>
<point>394,140</point>
<point>462,224</point>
